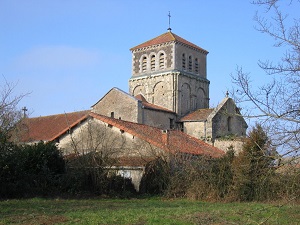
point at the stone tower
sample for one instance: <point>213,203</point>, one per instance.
<point>170,71</point>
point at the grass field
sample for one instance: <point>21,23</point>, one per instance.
<point>143,211</point>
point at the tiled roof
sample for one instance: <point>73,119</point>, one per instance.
<point>167,37</point>
<point>47,128</point>
<point>132,161</point>
<point>148,105</point>
<point>171,141</point>
<point>198,115</point>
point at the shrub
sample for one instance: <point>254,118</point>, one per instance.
<point>29,169</point>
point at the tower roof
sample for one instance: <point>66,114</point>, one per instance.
<point>165,38</point>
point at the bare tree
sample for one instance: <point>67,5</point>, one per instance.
<point>276,104</point>
<point>9,112</point>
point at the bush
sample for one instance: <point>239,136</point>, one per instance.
<point>156,177</point>
<point>30,169</point>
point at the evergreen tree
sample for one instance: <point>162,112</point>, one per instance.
<point>252,168</point>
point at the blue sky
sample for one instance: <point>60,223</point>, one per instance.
<point>68,54</point>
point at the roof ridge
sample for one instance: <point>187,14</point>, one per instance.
<point>60,114</point>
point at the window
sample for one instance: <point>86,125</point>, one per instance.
<point>112,115</point>
<point>161,61</point>
<point>229,123</point>
<point>153,62</point>
<point>144,64</point>
<point>183,61</point>
<point>190,63</point>
<point>196,66</point>
<point>171,123</point>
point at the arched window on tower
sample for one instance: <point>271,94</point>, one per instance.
<point>183,61</point>
<point>196,66</point>
<point>161,61</point>
<point>144,64</point>
<point>190,64</point>
<point>152,62</point>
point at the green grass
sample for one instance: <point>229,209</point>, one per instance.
<point>143,211</point>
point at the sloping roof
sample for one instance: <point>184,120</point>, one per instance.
<point>47,128</point>
<point>177,141</point>
<point>151,106</point>
<point>198,115</point>
<point>167,37</point>
<point>115,89</point>
<point>132,161</point>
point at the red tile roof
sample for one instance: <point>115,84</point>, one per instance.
<point>148,105</point>
<point>171,141</point>
<point>47,128</point>
<point>167,37</point>
<point>198,115</point>
<point>132,161</point>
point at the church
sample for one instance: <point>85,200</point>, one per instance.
<point>165,111</point>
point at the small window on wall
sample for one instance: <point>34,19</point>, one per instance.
<point>153,62</point>
<point>229,124</point>
<point>183,62</point>
<point>190,63</point>
<point>172,124</point>
<point>144,64</point>
<point>161,61</point>
<point>196,66</point>
<point>112,115</point>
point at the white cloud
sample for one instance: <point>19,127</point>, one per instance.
<point>58,57</point>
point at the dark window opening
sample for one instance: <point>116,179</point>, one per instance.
<point>144,64</point>
<point>183,61</point>
<point>161,61</point>
<point>190,63</point>
<point>153,62</point>
<point>229,124</point>
<point>172,123</point>
<point>196,66</point>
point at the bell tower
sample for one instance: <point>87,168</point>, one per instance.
<point>170,71</point>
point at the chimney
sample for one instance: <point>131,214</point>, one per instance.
<point>165,137</point>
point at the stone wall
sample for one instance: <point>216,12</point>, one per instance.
<point>119,105</point>
<point>181,49</point>
<point>95,135</point>
<point>159,119</point>
<point>224,145</point>
<point>228,121</point>
<point>193,93</point>
<point>157,89</point>
<point>138,55</point>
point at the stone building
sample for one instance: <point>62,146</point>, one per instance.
<point>166,111</point>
